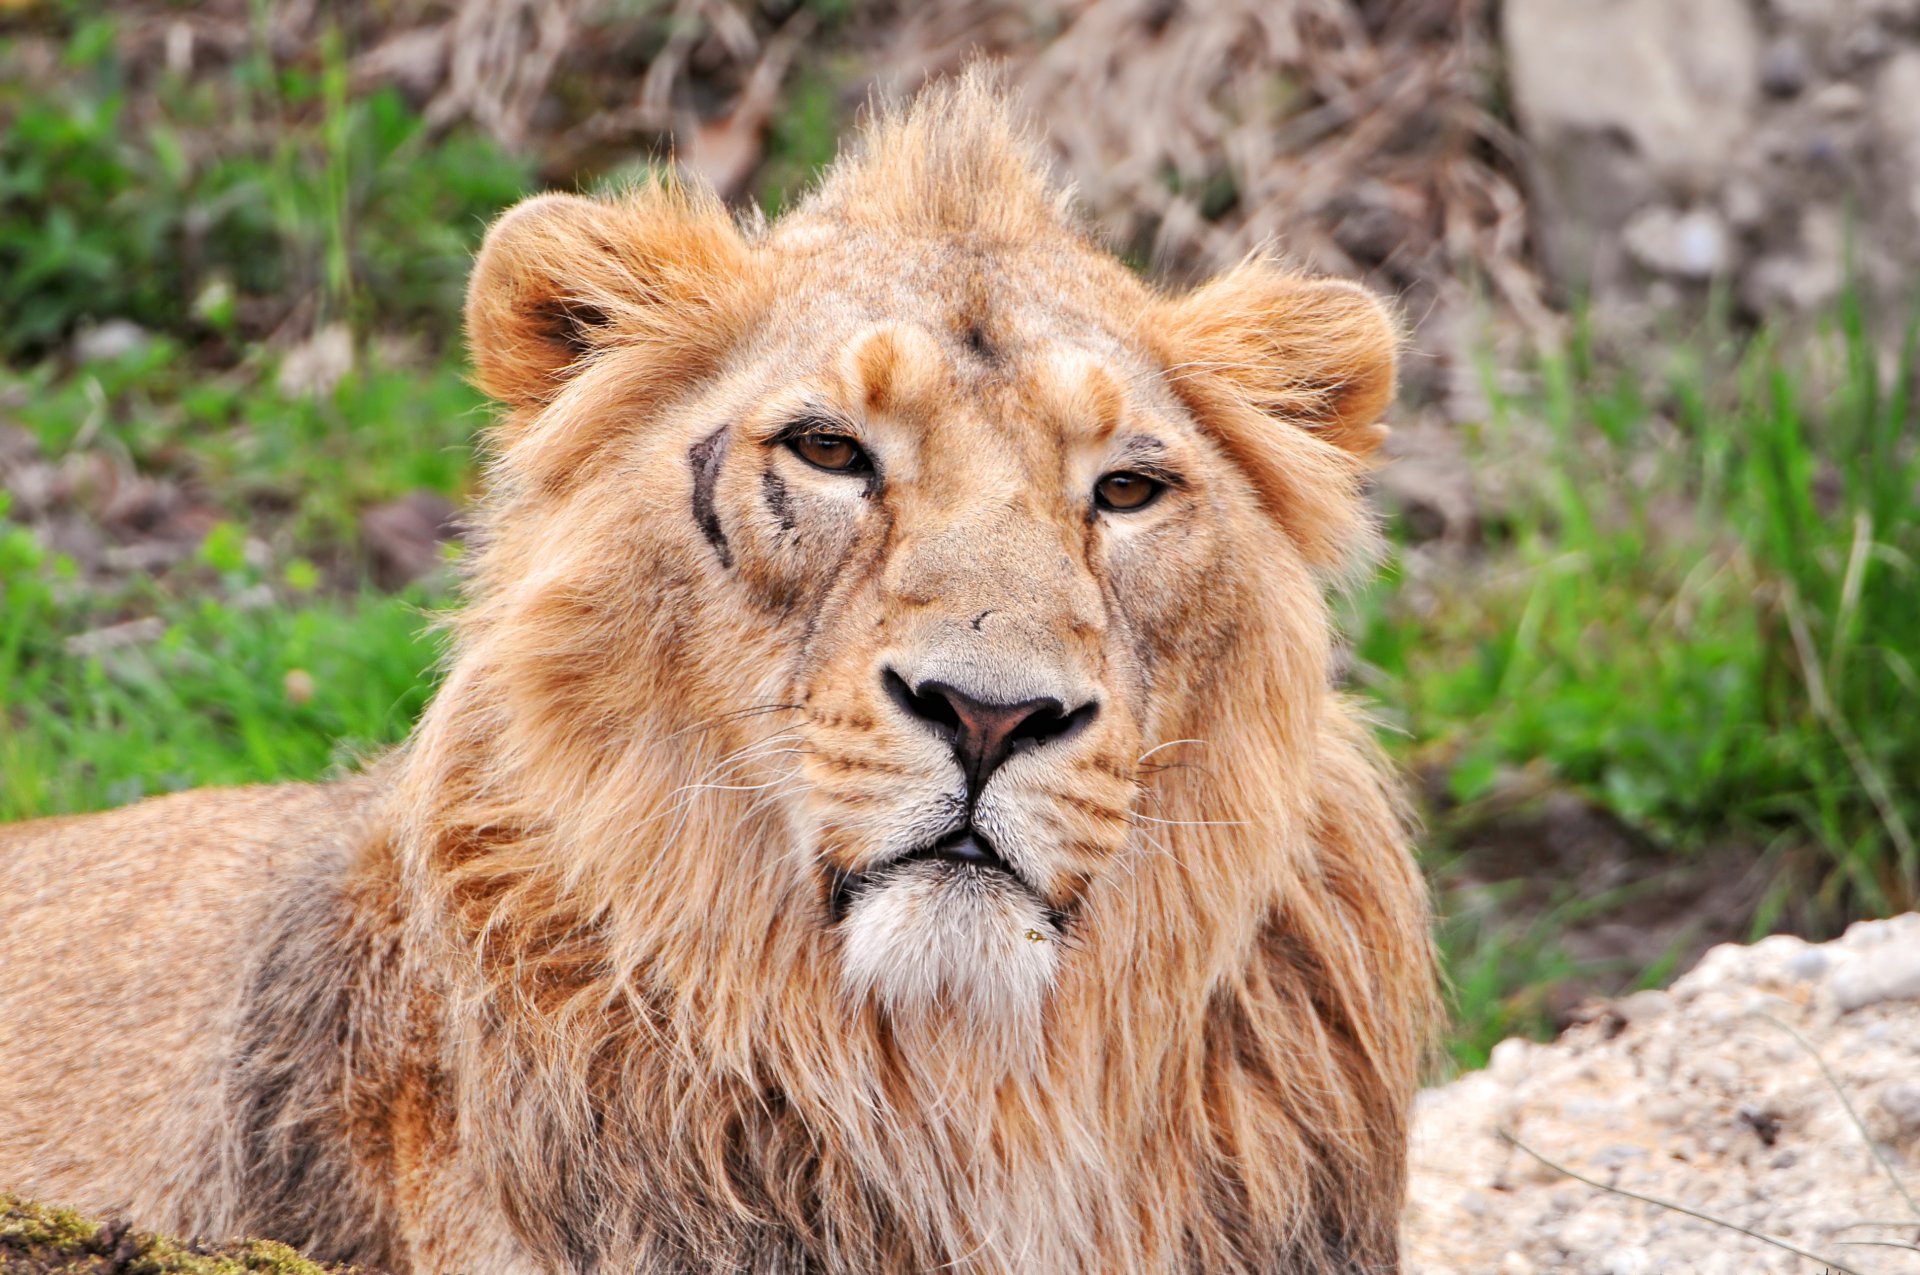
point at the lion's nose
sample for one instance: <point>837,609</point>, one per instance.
<point>984,734</point>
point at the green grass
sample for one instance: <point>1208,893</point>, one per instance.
<point>213,213</point>
<point>1705,617</point>
<point>802,139</point>
<point>228,206</point>
<point>249,682</point>
<point>312,462</point>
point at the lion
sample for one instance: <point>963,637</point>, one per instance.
<point>888,807</point>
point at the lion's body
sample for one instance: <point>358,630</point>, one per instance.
<point>129,937</point>
<point>652,949</point>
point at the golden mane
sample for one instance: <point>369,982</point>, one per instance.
<point>539,788</point>
<point>955,161</point>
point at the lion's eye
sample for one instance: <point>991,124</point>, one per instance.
<point>835,453</point>
<point>1126,491</point>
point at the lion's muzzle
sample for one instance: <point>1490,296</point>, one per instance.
<point>984,733</point>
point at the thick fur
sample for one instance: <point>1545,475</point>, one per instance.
<point>575,979</point>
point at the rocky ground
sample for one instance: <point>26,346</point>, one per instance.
<point>1711,1096</point>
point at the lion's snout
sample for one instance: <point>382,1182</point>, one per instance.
<point>983,729</point>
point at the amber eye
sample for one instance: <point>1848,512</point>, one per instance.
<point>835,453</point>
<point>1126,491</point>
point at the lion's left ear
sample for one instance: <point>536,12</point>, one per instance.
<point>1317,353</point>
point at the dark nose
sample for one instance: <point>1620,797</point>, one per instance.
<point>983,734</point>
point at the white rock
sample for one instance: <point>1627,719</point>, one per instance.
<point>1677,80</point>
<point>1808,965</point>
<point>1688,245</point>
<point>318,364</point>
<point>1591,1232</point>
<point>1900,1101</point>
<point>1630,1261</point>
<point>114,339</point>
<point>1642,1006</point>
<point>1889,972</point>
<point>1606,1110</point>
<point>1507,1063</point>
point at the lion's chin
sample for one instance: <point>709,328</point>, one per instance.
<point>936,939</point>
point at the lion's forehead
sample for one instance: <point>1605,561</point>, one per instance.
<point>1033,292</point>
<point>965,345</point>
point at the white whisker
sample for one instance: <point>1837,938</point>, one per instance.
<point>1169,744</point>
<point>1189,823</point>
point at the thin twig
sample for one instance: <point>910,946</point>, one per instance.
<point>1873,1148</point>
<point>1832,1264</point>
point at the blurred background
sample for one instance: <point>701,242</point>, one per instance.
<point>1649,636</point>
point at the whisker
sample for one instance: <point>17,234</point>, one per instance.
<point>1160,849</point>
<point>1169,744</point>
<point>770,745</point>
<point>1189,823</point>
<point>738,714</point>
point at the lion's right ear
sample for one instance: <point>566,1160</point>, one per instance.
<point>561,277</point>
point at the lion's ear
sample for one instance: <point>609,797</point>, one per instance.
<point>560,277</point>
<point>1317,353</point>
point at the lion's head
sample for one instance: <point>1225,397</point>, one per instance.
<point>901,617</point>
<point>954,517</point>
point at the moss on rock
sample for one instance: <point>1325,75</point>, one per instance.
<point>38,1240</point>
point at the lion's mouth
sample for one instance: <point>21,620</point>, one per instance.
<point>964,850</point>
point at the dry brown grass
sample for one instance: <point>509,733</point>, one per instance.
<point>1355,134</point>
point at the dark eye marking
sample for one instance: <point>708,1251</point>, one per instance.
<point>776,493</point>
<point>981,345</point>
<point>706,457</point>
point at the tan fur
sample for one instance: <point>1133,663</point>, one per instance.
<point>560,985</point>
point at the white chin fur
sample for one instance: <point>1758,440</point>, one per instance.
<point>932,934</point>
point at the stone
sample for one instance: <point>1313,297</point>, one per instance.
<point>404,537</point>
<point>1899,1101</point>
<point>1692,245</point>
<point>1641,1006</point>
<point>106,342</point>
<point>1676,79</point>
<point>1896,125</point>
<point>1839,100</point>
<point>1507,1063</point>
<point>317,364</point>
<point>1783,68</point>
<point>1892,973</point>
<point>1809,965</point>
<point>298,686</point>
<point>1744,203</point>
<point>1626,104</point>
<point>1631,1261</point>
<point>1671,144</point>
